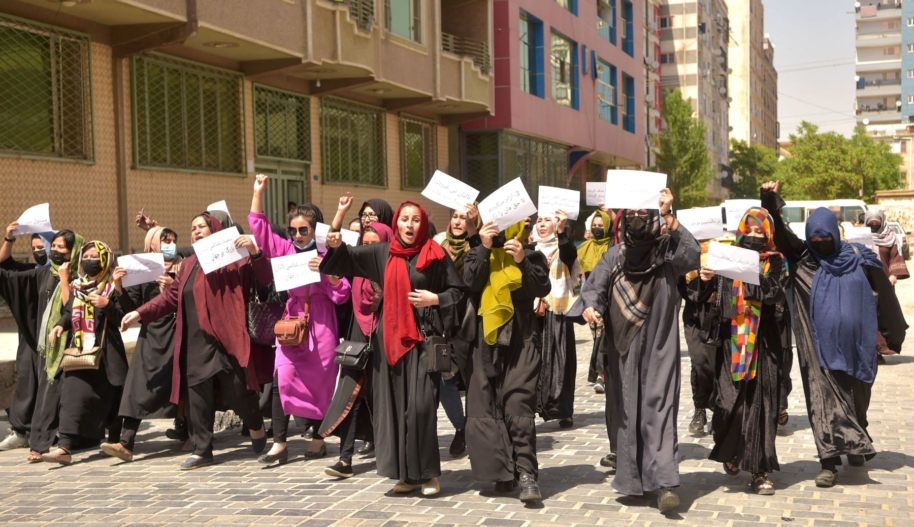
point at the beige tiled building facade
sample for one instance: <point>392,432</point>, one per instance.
<point>754,80</point>
<point>113,106</point>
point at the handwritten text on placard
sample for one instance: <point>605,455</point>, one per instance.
<point>704,224</point>
<point>596,193</point>
<point>218,250</point>
<point>35,220</point>
<point>450,192</point>
<point>507,205</point>
<point>141,268</point>
<point>633,189</point>
<point>293,271</point>
<point>552,199</point>
<point>734,262</point>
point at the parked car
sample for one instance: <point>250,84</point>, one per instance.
<point>902,238</point>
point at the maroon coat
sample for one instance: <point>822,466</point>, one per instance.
<point>221,299</point>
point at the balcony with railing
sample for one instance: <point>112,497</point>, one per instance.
<point>466,47</point>
<point>362,11</point>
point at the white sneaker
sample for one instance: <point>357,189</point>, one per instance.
<point>14,440</point>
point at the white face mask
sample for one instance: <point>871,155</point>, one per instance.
<point>306,247</point>
<point>169,250</point>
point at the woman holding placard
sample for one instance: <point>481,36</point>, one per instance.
<point>148,385</point>
<point>554,333</point>
<point>422,293</point>
<point>212,345</point>
<point>304,374</point>
<point>748,379</point>
<point>36,298</point>
<point>634,289</point>
<point>836,319</point>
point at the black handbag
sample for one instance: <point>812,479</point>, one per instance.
<point>439,351</point>
<point>709,332</point>
<point>354,355</point>
<point>263,315</point>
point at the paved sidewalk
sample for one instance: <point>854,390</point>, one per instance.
<point>100,491</point>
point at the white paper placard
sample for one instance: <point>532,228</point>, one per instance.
<point>292,271</point>
<point>350,238</point>
<point>736,209</point>
<point>507,205</point>
<point>141,268</point>
<point>704,224</point>
<point>861,235</point>
<point>552,199</point>
<point>633,189</point>
<point>450,192</point>
<point>733,262</point>
<point>221,206</point>
<point>596,193</point>
<point>218,250</point>
<point>321,230</point>
<point>35,220</point>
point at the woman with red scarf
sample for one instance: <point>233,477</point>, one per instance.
<point>419,284</point>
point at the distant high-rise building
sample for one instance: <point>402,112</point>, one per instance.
<point>695,38</point>
<point>753,79</point>
<point>653,88</point>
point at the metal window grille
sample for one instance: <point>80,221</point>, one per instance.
<point>186,115</point>
<point>282,124</point>
<point>495,158</point>
<point>45,91</point>
<point>352,143</point>
<point>595,172</point>
<point>482,161</point>
<point>418,152</point>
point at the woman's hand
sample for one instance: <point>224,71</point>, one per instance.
<point>260,183</point>
<point>488,232</point>
<point>472,215</point>
<point>118,274</point>
<point>129,319</point>
<point>315,264</point>
<point>164,282</point>
<point>11,229</point>
<point>591,316</point>
<point>55,334</point>
<point>422,298</point>
<point>666,201</point>
<point>771,186</point>
<point>893,280</point>
<point>561,219</point>
<point>99,301</point>
<point>64,272</point>
<point>515,249</point>
<point>345,202</point>
<point>247,243</point>
<point>144,222</point>
<point>334,240</point>
<point>706,274</point>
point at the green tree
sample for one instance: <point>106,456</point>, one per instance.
<point>830,166</point>
<point>683,155</point>
<point>753,165</point>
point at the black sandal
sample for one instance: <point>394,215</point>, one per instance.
<point>783,418</point>
<point>762,485</point>
<point>731,469</point>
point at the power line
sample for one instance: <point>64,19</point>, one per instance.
<point>824,61</point>
<point>794,70</point>
<point>814,104</point>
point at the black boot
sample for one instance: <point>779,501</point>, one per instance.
<point>529,490</point>
<point>699,422</point>
<point>459,444</point>
<point>179,432</point>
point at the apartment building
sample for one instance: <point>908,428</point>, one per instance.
<point>653,90</point>
<point>694,59</point>
<point>113,106</point>
<point>753,78</point>
<point>569,103</point>
<point>885,75</point>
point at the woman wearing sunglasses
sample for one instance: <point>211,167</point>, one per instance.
<point>304,375</point>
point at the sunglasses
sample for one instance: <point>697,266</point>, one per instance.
<point>369,216</point>
<point>303,231</point>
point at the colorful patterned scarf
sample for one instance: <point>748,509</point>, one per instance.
<point>747,313</point>
<point>84,329</point>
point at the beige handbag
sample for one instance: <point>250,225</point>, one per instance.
<point>75,359</point>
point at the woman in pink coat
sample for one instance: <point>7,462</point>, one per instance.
<point>304,375</point>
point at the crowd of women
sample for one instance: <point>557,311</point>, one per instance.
<point>475,309</point>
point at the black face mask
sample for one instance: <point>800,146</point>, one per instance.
<point>753,243</point>
<point>823,247</point>
<point>637,227</point>
<point>876,228</point>
<point>92,268</point>
<point>59,258</point>
<point>40,256</point>
<point>499,241</point>
<point>598,232</point>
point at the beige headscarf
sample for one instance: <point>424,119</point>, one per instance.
<point>154,245</point>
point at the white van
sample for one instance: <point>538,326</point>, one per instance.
<point>796,212</point>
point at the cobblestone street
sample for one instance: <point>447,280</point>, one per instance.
<point>97,490</point>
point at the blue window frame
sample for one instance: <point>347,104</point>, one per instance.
<point>532,79</point>
<point>628,35</point>
<point>570,5</point>
<point>564,59</point>
<point>628,103</point>
<point>606,92</point>
<point>606,20</point>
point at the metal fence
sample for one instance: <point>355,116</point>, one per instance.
<point>418,152</point>
<point>466,47</point>
<point>282,124</point>
<point>186,115</point>
<point>45,90</point>
<point>352,143</point>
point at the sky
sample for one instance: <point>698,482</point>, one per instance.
<point>814,55</point>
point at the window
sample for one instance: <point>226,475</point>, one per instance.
<point>667,58</point>
<point>606,20</point>
<point>571,5</point>
<point>890,51</point>
<point>910,48</point>
<point>895,24</point>
<point>404,18</point>
<point>628,103</point>
<point>531,55</point>
<point>45,91</point>
<point>282,124</point>
<point>910,99</point>
<point>606,92</point>
<point>418,152</point>
<point>666,22</point>
<point>911,22</point>
<point>352,143</point>
<point>187,115</point>
<point>564,71</point>
<point>628,35</point>
<point>911,74</point>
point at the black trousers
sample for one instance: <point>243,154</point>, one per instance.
<point>128,432</point>
<point>280,421</point>
<point>35,409</point>
<point>201,402</point>
<point>347,431</point>
<point>703,358</point>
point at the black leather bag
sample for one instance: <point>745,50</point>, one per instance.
<point>438,350</point>
<point>353,355</point>
<point>263,315</point>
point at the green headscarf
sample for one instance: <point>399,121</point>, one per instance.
<point>53,353</point>
<point>591,251</point>
<point>496,308</point>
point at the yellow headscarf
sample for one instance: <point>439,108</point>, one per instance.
<point>496,308</point>
<point>591,251</point>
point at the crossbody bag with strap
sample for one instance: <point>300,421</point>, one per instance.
<point>75,359</point>
<point>292,331</point>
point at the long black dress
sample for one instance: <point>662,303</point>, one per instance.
<point>703,356</point>
<point>835,402</point>
<point>36,400</point>
<point>405,396</point>
<point>501,410</point>
<point>745,412</point>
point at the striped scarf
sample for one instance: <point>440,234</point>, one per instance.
<point>84,330</point>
